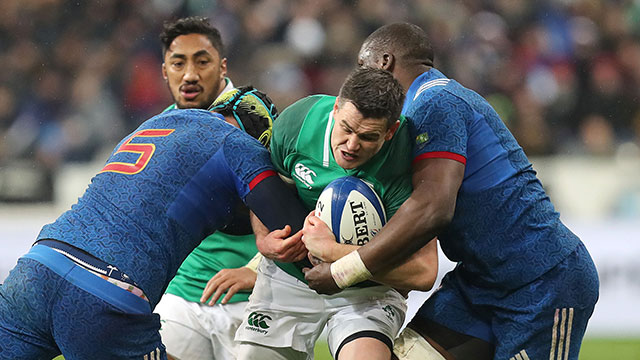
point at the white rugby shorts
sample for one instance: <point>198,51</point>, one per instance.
<point>283,312</point>
<point>198,331</point>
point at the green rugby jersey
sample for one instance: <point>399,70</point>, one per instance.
<point>301,151</point>
<point>216,252</point>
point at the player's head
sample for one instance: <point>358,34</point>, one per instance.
<point>365,115</point>
<point>194,66</point>
<point>249,109</point>
<point>400,48</point>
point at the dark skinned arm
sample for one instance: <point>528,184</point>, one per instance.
<point>421,217</point>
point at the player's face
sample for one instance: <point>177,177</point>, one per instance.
<point>354,138</point>
<point>194,71</point>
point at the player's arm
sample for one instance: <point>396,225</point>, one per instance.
<point>231,281</point>
<point>416,273</point>
<point>278,245</point>
<point>421,217</point>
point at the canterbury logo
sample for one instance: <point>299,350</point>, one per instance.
<point>389,312</point>
<point>304,174</point>
<point>258,320</point>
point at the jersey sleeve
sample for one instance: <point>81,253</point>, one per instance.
<point>439,127</point>
<point>247,160</point>
<point>285,132</point>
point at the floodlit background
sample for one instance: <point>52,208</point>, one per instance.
<point>77,76</point>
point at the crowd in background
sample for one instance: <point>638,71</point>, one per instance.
<point>77,76</point>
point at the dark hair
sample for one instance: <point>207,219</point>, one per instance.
<point>190,25</point>
<point>253,110</point>
<point>374,92</point>
<point>408,41</point>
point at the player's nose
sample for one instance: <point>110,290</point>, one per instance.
<point>353,143</point>
<point>191,73</point>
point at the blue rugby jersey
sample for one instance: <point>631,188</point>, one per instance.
<point>505,229</point>
<point>164,188</point>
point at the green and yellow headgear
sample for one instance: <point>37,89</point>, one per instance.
<point>253,110</point>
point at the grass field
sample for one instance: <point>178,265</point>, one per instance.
<point>592,349</point>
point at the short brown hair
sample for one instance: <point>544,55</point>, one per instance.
<point>375,93</point>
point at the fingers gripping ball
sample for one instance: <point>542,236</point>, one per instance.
<point>352,210</point>
<point>253,110</point>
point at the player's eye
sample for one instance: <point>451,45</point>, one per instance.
<point>369,137</point>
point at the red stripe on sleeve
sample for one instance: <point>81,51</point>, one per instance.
<point>263,175</point>
<point>441,155</point>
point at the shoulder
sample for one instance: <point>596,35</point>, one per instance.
<point>290,122</point>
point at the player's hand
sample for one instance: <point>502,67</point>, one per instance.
<point>229,280</point>
<point>314,260</point>
<point>277,246</point>
<point>318,239</point>
<point>320,279</point>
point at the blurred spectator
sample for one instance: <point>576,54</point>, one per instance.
<point>77,76</point>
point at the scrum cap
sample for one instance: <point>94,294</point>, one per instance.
<point>253,110</point>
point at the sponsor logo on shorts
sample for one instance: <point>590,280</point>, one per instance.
<point>258,322</point>
<point>388,310</point>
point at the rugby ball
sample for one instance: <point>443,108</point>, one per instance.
<point>352,210</point>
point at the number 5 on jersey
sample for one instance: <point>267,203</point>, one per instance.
<point>145,151</point>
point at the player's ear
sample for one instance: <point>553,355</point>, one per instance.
<point>164,72</point>
<point>387,62</point>
<point>392,130</point>
<point>335,104</point>
<point>223,67</point>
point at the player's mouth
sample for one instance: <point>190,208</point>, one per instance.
<point>348,156</point>
<point>190,92</point>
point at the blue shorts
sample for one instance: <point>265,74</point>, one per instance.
<point>544,319</point>
<point>51,306</point>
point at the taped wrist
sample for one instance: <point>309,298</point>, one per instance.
<point>254,262</point>
<point>349,270</point>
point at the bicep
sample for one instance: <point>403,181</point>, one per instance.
<point>276,205</point>
<point>437,180</point>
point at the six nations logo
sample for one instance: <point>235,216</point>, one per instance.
<point>258,322</point>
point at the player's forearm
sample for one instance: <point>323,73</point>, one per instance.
<point>422,217</point>
<point>259,230</point>
<point>417,273</point>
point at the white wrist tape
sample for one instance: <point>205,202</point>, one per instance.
<point>412,346</point>
<point>349,270</point>
<point>254,262</point>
